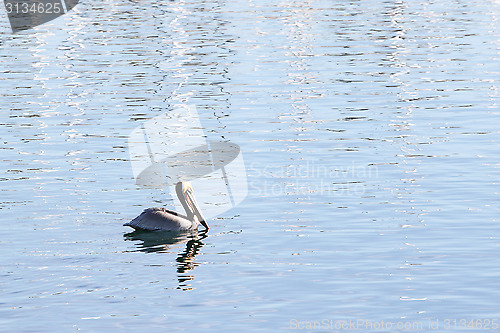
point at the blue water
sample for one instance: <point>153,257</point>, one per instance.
<point>369,131</point>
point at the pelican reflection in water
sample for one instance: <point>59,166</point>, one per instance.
<point>168,242</point>
<point>164,219</point>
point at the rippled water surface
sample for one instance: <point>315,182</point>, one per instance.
<point>370,136</point>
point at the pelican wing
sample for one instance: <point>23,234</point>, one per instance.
<point>160,219</point>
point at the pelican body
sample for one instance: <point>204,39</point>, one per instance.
<point>167,220</point>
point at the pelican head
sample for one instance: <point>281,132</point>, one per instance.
<point>185,193</point>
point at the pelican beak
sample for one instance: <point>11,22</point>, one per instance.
<point>195,207</point>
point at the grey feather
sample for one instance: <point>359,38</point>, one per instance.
<point>159,218</point>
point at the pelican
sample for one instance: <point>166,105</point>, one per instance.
<point>167,220</point>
